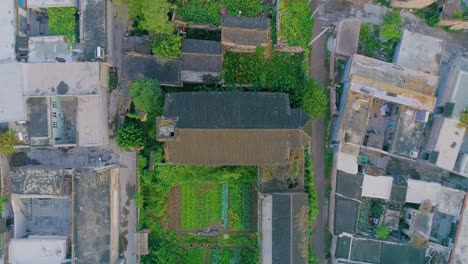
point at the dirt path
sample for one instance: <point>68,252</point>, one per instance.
<point>319,72</point>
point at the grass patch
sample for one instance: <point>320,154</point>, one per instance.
<point>209,12</point>
<point>296,25</point>
<point>62,21</point>
<point>313,200</point>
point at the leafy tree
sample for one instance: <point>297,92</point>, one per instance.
<point>8,141</point>
<point>382,231</point>
<point>463,121</point>
<point>457,14</point>
<point>391,26</point>
<point>315,101</point>
<point>131,136</point>
<point>147,95</point>
<point>151,15</point>
<point>167,46</point>
<point>430,13</point>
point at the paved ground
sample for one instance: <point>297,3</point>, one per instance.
<point>319,72</point>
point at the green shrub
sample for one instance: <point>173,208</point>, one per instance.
<point>457,14</point>
<point>167,46</point>
<point>431,14</point>
<point>209,12</point>
<point>382,231</point>
<point>8,141</point>
<point>391,26</point>
<point>151,15</point>
<point>62,21</point>
<point>315,100</point>
<point>371,46</point>
<point>147,95</point>
<point>131,136</point>
<point>296,25</point>
<point>463,121</point>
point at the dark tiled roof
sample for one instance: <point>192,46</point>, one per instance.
<point>202,63</point>
<point>260,23</point>
<point>236,110</point>
<point>94,27</point>
<point>167,71</point>
<point>402,254</point>
<point>342,247</point>
<point>289,210</point>
<point>37,117</point>
<point>346,214</point>
<point>201,47</point>
<point>366,250</point>
<point>349,185</point>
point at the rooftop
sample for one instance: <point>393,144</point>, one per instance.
<point>257,23</point>
<point>215,128</point>
<point>459,93</point>
<point>419,52</point>
<point>285,229</point>
<point>198,46</point>
<point>346,214</point>
<point>7,30</point>
<point>37,181</point>
<point>200,60</point>
<point>349,185</point>
<point>392,83</point>
<point>234,110</point>
<point>11,102</point>
<point>93,26</point>
<point>49,78</point>
<point>459,252</point>
<point>167,71</point>
<point>347,36</point>
<point>244,31</point>
<point>377,187</point>
<point>48,48</point>
<point>448,143</point>
<point>40,250</point>
<point>52,3</point>
<point>92,222</point>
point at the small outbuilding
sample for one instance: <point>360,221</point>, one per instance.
<point>244,34</point>
<point>202,61</point>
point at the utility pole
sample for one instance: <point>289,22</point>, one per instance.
<point>319,35</point>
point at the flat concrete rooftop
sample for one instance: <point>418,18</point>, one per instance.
<point>392,82</point>
<point>72,78</point>
<point>7,30</point>
<point>11,95</point>
<point>419,52</point>
<point>47,48</point>
<point>52,3</point>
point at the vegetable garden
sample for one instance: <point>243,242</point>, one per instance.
<point>62,21</point>
<point>209,12</point>
<point>226,205</point>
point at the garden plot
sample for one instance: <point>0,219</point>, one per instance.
<point>220,255</point>
<point>223,207</point>
<point>209,12</point>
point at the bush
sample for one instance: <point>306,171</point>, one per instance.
<point>131,136</point>
<point>457,14</point>
<point>167,46</point>
<point>209,12</point>
<point>147,95</point>
<point>391,26</point>
<point>151,15</point>
<point>463,121</point>
<point>371,46</point>
<point>382,231</point>
<point>62,21</point>
<point>315,100</point>
<point>430,13</point>
<point>296,25</point>
<point>8,141</point>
